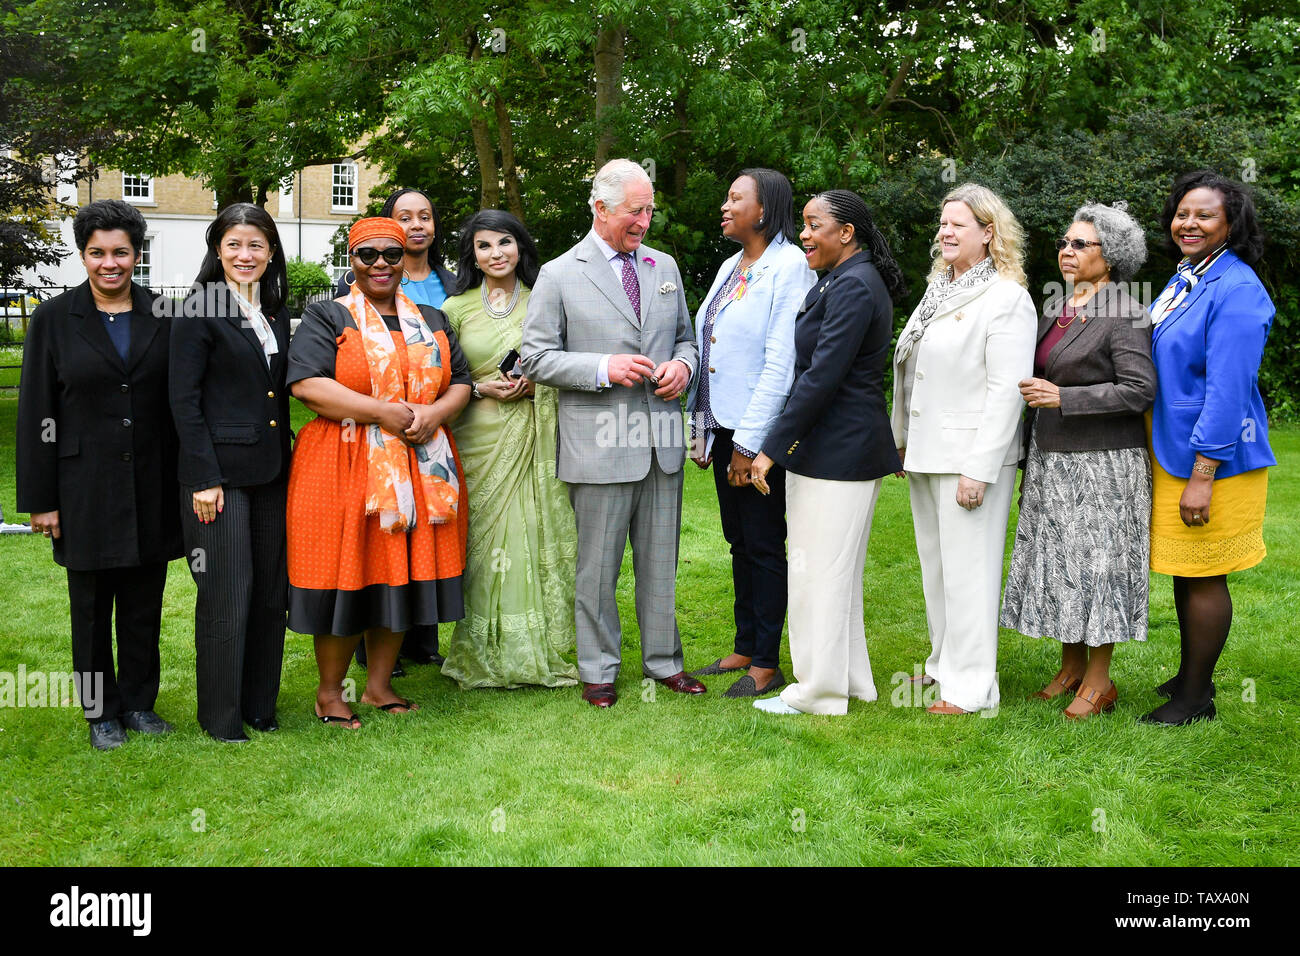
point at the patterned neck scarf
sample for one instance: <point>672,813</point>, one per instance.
<point>938,292</point>
<point>389,482</point>
<point>257,322</point>
<point>1183,283</point>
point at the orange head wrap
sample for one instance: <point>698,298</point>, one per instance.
<point>375,227</point>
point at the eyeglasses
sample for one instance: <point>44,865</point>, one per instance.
<point>1078,245</point>
<point>368,254</point>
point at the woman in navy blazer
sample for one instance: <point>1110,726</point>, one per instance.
<point>1209,433</point>
<point>834,441</point>
<point>745,333</point>
<point>229,358</point>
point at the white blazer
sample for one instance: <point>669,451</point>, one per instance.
<point>751,357</point>
<point>965,408</point>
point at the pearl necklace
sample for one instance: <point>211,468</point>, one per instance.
<point>510,306</point>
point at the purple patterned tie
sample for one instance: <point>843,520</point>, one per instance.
<point>630,285</point>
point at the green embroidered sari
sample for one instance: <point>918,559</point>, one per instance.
<point>518,625</point>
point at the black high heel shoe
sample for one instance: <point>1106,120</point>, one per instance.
<point>1167,689</point>
<point>1205,713</point>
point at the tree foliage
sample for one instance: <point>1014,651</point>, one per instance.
<point>484,102</point>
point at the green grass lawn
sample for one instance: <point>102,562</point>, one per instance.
<point>538,777</point>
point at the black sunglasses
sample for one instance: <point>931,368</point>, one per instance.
<point>368,254</point>
<point>1077,244</point>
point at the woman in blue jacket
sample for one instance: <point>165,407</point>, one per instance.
<point>1209,435</point>
<point>745,331</point>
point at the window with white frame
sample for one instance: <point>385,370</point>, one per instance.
<point>340,263</point>
<point>143,271</point>
<point>343,194</point>
<point>137,188</point>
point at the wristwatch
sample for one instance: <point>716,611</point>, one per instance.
<point>473,390</point>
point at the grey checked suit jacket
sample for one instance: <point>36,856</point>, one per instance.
<point>578,312</point>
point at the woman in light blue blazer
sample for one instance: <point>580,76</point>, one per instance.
<point>1209,433</point>
<point>745,332</point>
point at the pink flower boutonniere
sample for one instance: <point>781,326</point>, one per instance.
<point>648,261</point>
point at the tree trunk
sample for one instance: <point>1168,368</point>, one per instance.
<point>509,173</point>
<point>489,177</point>
<point>610,51</point>
<point>488,174</point>
<point>681,147</point>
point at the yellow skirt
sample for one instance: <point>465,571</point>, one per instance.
<point>1232,541</point>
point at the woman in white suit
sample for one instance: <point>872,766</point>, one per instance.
<point>956,422</point>
<point>745,332</point>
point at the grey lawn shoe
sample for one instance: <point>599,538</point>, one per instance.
<point>748,687</point>
<point>714,668</point>
<point>145,722</point>
<point>107,734</point>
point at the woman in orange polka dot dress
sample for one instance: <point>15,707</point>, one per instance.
<point>377,501</point>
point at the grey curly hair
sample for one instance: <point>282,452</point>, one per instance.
<point>1123,243</point>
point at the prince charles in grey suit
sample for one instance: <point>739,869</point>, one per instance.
<point>607,325</point>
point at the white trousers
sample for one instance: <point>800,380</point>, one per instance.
<point>961,572</point>
<point>828,524</point>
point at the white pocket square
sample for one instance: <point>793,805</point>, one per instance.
<point>666,288</point>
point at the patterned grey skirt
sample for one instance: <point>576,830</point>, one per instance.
<point>1079,568</point>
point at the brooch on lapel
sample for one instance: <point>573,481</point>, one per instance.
<point>742,286</point>
<point>666,288</point>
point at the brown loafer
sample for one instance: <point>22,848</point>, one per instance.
<point>682,683</point>
<point>945,709</point>
<point>599,695</point>
<point>925,680</point>
<point>1063,684</point>
<point>1099,702</point>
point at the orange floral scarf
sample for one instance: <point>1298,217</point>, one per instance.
<point>389,483</point>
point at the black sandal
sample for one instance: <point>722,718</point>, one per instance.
<point>400,702</point>
<point>352,721</point>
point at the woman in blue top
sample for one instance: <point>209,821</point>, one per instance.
<point>745,333</point>
<point>426,281</point>
<point>1209,434</point>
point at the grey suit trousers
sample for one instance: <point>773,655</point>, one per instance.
<point>650,510</point>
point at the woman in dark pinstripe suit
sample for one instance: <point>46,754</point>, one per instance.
<point>229,357</point>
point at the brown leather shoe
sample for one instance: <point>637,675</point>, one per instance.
<point>682,683</point>
<point>945,709</point>
<point>1099,702</point>
<point>599,695</point>
<point>1058,685</point>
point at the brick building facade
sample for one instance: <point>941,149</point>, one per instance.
<point>178,210</point>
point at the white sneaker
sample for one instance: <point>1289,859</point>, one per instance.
<point>775,705</point>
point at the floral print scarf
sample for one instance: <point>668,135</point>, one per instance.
<point>389,482</point>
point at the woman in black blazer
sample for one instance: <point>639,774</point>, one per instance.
<point>834,441</point>
<point>229,356</point>
<point>97,467</point>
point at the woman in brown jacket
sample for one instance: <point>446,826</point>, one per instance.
<point>1079,565</point>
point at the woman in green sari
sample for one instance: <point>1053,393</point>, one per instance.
<point>518,626</point>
